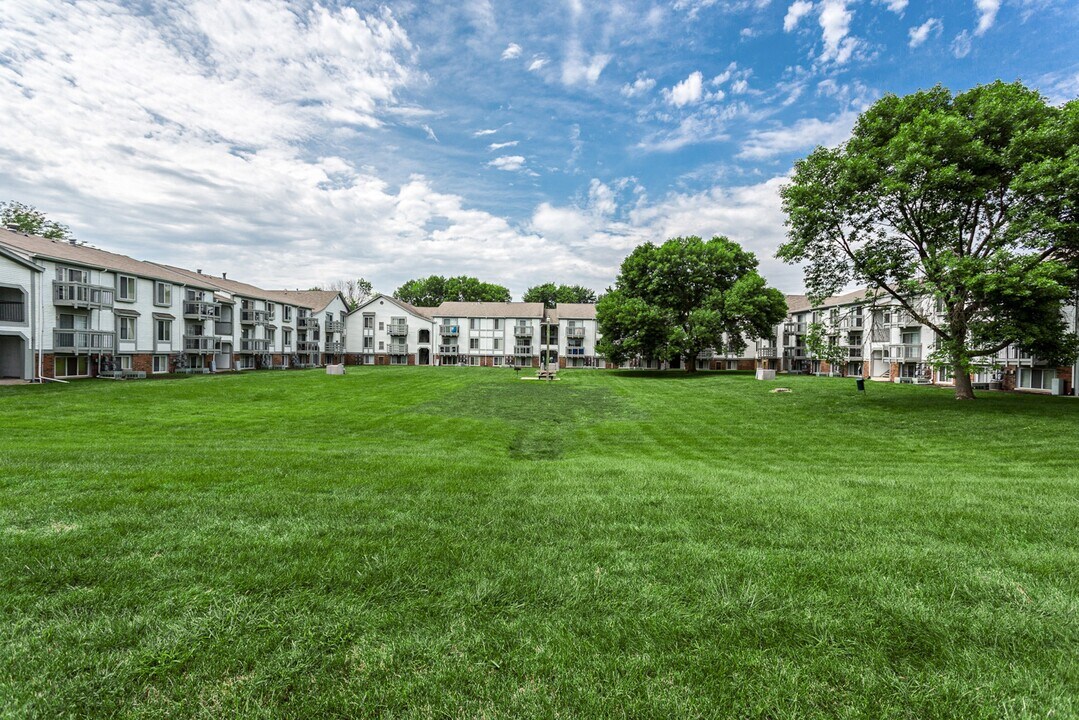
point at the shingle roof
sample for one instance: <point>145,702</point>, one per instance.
<point>576,311</point>
<point>316,300</point>
<point>489,309</point>
<point>87,256</point>
<point>234,287</point>
<point>797,303</point>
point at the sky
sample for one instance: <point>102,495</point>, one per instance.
<point>292,144</point>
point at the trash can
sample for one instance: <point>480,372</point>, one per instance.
<point>861,384</point>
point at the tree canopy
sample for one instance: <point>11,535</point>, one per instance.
<point>963,208</point>
<point>686,295</point>
<point>435,289</point>
<point>355,292</point>
<point>28,219</point>
<point>550,294</point>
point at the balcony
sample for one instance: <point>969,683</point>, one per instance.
<point>200,343</point>
<point>766,352</point>
<point>335,347</point>
<point>307,322</point>
<point>854,352</point>
<point>82,295</point>
<point>575,332</point>
<point>852,322</point>
<point>522,349</point>
<point>307,346</point>
<point>335,326</point>
<point>397,329</point>
<point>254,317</point>
<point>201,310</point>
<point>905,353</point>
<point>254,345</point>
<point>12,311</point>
<point>523,331</point>
<point>397,348</point>
<point>447,349</point>
<point>794,328</point>
<point>88,341</point>
<point>449,330</point>
<point>902,318</point>
<point>796,353</point>
<point>575,352</point>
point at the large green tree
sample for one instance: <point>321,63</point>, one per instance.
<point>30,220</point>
<point>550,294</point>
<point>960,208</point>
<point>435,289</point>
<point>686,295</point>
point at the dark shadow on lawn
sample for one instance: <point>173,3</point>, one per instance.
<point>677,374</point>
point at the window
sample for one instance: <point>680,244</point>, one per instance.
<point>288,313</point>
<point>497,361</point>
<point>163,331</point>
<point>498,323</point>
<point>270,336</point>
<point>72,366</point>
<point>498,343</point>
<point>125,362</point>
<point>473,323</point>
<point>127,329</point>
<point>1036,378</point>
<point>126,288</point>
<point>382,326</point>
<point>73,322</point>
<point>162,294</point>
<point>368,342</point>
<point>161,364</point>
<point>286,333</point>
<point>473,343</point>
<point>368,359</point>
<point>381,345</point>
<point>369,321</point>
<point>270,310</point>
<point>329,317</point>
<point>72,275</point>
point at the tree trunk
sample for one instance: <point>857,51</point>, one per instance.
<point>689,365</point>
<point>963,388</point>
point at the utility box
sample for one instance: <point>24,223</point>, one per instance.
<point>335,369</point>
<point>763,374</point>
<point>1056,387</point>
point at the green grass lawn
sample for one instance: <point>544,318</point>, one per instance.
<point>443,542</point>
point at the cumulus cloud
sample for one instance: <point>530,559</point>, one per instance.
<point>896,6</point>
<point>512,51</point>
<point>803,134</point>
<point>642,85</point>
<point>987,14</point>
<point>687,92</point>
<point>578,67</point>
<point>835,19</point>
<point>798,10</point>
<point>921,33</point>
<point>512,163</point>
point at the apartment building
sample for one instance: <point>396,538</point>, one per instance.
<point>70,310</point>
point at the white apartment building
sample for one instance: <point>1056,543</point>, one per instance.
<point>69,310</point>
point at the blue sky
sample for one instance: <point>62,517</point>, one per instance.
<point>295,143</point>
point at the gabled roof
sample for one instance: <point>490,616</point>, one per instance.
<point>234,287</point>
<point>86,256</point>
<point>576,311</point>
<point>489,309</point>
<point>20,258</point>
<point>316,300</point>
<point>798,303</point>
<point>420,312</point>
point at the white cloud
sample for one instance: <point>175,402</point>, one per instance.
<point>499,146</point>
<point>835,20</point>
<point>512,51</point>
<point>687,92</point>
<point>640,86</point>
<point>962,44</point>
<point>896,6</point>
<point>921,33</point>
<point>740,86</point>
<point>798,10</point>
<point>804,134</point>
<point>430,133</point>
<point>485,132</point>
<point>987,14</point>
<point>578,68</point>
<point>511,163</point>
<point>537,63</point>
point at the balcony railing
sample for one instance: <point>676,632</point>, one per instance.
<point>12,311</point>
<point>449,330</point>
<point>854,352</point>
<point>88,341</point>
<point>201,310</point>
<point>254,345</point>
<point>766,352</point>
<point>794,352</point>
<point>905,353</point>
<point>575,352</point>
<point>856,321</point>
<point>200,343</point>
<point>522,349</point>
<point>335,326</point>
<point>523,330</point>
<point>306,346</point>
<point>397,349</point>
<point>447,349</point>
<point>254,317</point>
<point>902,318</point>
<point>575,332</point>
<point>334,347</point>
<point>794,328</point>
<point>76,294</point>
<point>397,329</point>
<point>307,322</point>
